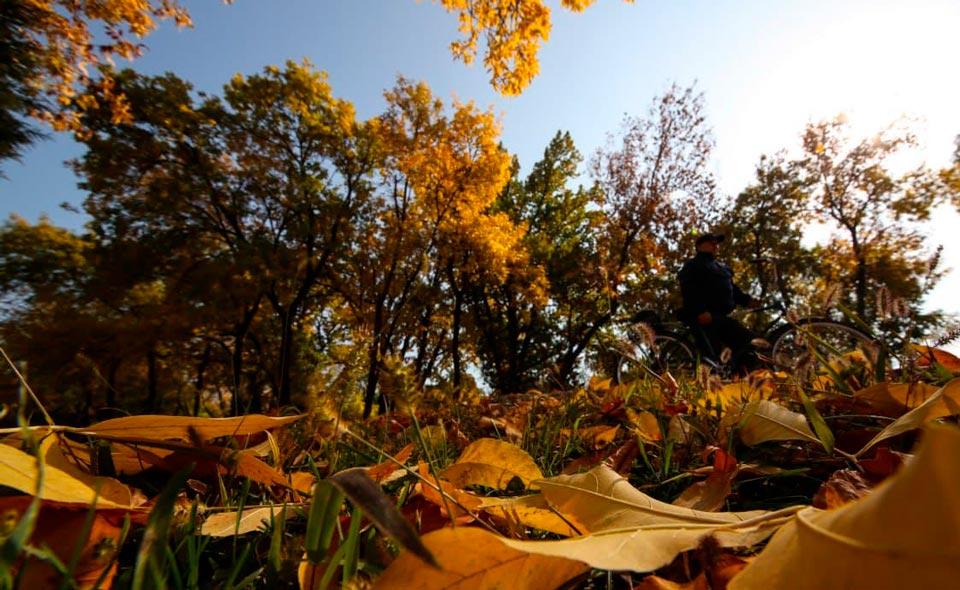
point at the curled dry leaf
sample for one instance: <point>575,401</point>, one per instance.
<point>843,486</point>
<point>492,463</point>
<point>710,494</point>
<point>629,530</point>
<point>474,559</point>
<point>903,535</point>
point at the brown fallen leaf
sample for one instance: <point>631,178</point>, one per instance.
<point>843,486</point>
<point>884,463</point>
<point>382,471</point>
<point>945,402</point>
<point>60,527</point>
<point>927,355</point>
<point>492,463</point>
<point>894,399</point>
<point>658,583</point>
<point>710,494</point>
<point>902,535</point>
<point>474,559</point>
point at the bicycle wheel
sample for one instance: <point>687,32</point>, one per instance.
<point>811,345</point>
<point>668,352</point>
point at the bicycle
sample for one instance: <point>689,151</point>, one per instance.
<point>804,346</point>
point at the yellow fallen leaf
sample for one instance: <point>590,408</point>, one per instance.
<point>532,511</point>
<point>945,402</point>
<point>109,488</point>
<point>492,463</point>
<point>474,559</point>
<point>645,424</point>
<point>895,399</point>
<point>154,427</point>
<point>763,420</point>
<point>903,535</point>
<point>600,435</point>
<point>632,531</point>
<point>18,470</point>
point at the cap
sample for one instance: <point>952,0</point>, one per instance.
<point>710,238</point>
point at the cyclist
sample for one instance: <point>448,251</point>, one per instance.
<point>709,295</point>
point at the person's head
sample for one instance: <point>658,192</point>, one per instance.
<point>709,243</point>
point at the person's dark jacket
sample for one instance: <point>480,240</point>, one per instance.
<point>707,285</point>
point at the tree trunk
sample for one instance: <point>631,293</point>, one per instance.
<point>286,358</point>
<point>152,393</point>
<point>200,381</point>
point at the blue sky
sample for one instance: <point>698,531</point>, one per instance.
<point>766,67</point>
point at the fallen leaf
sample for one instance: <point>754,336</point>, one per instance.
<point>302,481</point>
<point>460,502</point>
<point>645,424</point>
<point>60,528</point>
<point>501,427</point>
<point>228,524</point>
<point>763,420</point>
<point>382,471</point>
<point>945,402</point>
<point>380,509</point>
<point>532,511</point>
<point>895,399</point>
<point>884,463</point>
<point>632,531</point>
<point>927,355</point>
<point>902,535</point>
<point>710,494</point>
<point>474,559</point>
<point>658,583</point>
<point>159,427</point>
<point>492,463</point>
<point>843,486</point>
<point>19,471</point>
<point>599,436</point>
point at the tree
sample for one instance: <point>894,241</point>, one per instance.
<point>518,327</point>
<point>257,191</point>
<point>438,176</point>
<point>512,31</point>
<point>654,188</point>
<point>853,188</point>
<point>18,61</point>
<point>60,40</point>
<point>765,224</point>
